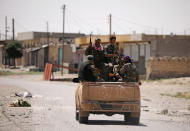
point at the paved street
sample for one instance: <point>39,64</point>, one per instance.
<point>53,106</point>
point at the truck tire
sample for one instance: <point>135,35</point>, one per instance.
<point>77,115</point>
<point>132,120</point>
<point>83,119</point>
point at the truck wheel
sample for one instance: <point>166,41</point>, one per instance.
<point>132,120</point>
<point>83,119</point>
<point>77,115</point>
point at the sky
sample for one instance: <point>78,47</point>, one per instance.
<point>86,16</point>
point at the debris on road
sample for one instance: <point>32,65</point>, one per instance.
<point>188,108</point>
<point>20,103</point>
<point>145,99</point>
<point>146,110</point>
<point>164,112</point>
<point>12,115</point>
<point>24,94</point>
<point>144,106</point>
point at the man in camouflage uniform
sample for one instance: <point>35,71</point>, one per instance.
<point>111,55</point>
<point>111,51</point>
<point>128,71</point>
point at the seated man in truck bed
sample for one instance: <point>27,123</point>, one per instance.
<point>86,71</point>
<point>128,71</point>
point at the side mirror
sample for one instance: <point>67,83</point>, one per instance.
<point>75,80</point>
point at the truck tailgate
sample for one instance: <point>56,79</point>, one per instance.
<point>109,91</point>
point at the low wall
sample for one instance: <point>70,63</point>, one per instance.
<point>167,67</point>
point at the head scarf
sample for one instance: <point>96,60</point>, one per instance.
<point>128,58</point>
<point>98,47</point>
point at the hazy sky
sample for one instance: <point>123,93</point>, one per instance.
<point>149,16</point>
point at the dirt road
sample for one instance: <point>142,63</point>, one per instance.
<point>53,108</point>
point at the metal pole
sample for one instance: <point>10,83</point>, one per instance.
<point>6,28</point>
<point>63,37</point>
<point>47,33</point>
<point>47,41</point>
<point>0,34</point>
<point>110,21</point>
<point>13,26</point>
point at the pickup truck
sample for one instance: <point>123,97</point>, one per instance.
<point>108,98</point>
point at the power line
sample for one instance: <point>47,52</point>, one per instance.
<point>79,23</point>
<point>162,30</point>
<point>8,36</point>
<point>118,26</point>
<point>138,24</point>
<point>75,20</point>
<point>21,26</point>
<point>4,35</point>
<point>82,21</point>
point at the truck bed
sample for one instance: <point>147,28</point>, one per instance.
<point>110,91</point>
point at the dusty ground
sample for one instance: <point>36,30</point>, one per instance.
<point>12,115</point>
<point>53,106</point>
<point>155,99</point>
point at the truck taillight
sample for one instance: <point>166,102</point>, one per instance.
<point>140,83</point>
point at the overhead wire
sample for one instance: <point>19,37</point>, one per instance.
<point>21,26</point>
<point>135,23</point>
<point>87,24</point>
<point>119,27</point>
<point>156,29</point>
<point>76,22</point>
<point>8,36</point>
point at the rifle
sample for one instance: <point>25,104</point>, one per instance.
<point>90,44</point>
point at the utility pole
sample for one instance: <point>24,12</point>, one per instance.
<point>63,37</point>
<point>6,28</point>
<point>184,32</point>
<point>46,50</point>
<point>110,23</point>
<point>0,34</point>
<point>63,21</point>
<point>47,26</point>
<point>162,31</point>
<point>13,26</point>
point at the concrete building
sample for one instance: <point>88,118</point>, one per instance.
<point>42,47</point>
<point>2,50</point>
<point>34,39</point>
<point>168,45</point>
<point>3,59</point>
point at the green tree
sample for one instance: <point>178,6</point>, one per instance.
<point>14,50</point>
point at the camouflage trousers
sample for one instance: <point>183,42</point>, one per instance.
<point>129,73</point>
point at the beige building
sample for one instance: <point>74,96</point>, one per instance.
<point>43,47</point>
<point>140,47</point>
<point>3,59</point>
